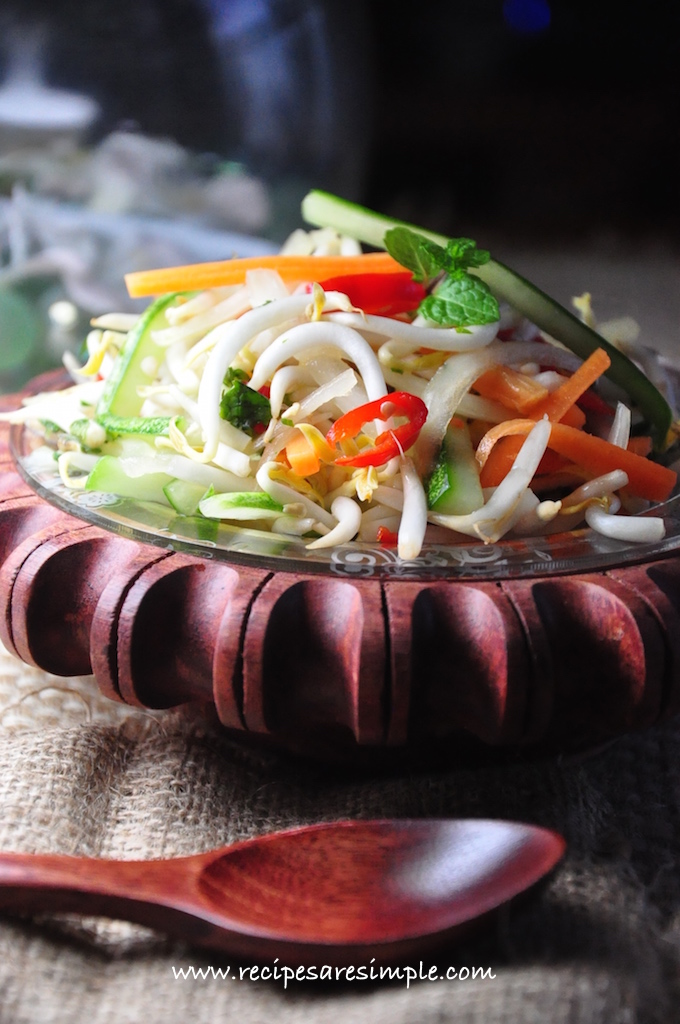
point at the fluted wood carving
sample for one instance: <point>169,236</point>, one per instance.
<point>340,667</point>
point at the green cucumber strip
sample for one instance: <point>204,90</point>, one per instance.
<point>117,426</point>
<point>241,505</point>
<point>454,488</point>
<point>109,476</point>
<point>119,397</point>
<point>185,496</point>
<point>325,210</point>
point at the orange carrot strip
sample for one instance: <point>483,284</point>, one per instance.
<point>302,458</point>
<point>640,445</point>
<point>567,394</point>
<point>293,269</point>
<point>573,417</point>
<point>503,454</point>
<point>513,389</point>
<point>646,479</point>
<point>507,428</point>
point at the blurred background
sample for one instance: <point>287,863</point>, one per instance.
<point>139,133</point>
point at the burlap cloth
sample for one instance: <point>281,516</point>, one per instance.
<point>80,775</point>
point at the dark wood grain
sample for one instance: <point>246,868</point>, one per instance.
<point>341,668</point>
<point>336,893</point>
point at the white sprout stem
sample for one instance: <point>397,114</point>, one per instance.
<point>284,494</point>
<point>227,340</point>
<point>194,327</point>
<point>442,339</point>
<point>619,433</point>
<point>599,487</point>
<point>293,526</point>
<point>536,518</point>
<point>313,335</point>
<point>175,360</point>
<point>636,529</point>
<point>348,514</point>
<point>282,382</point>
<point>122,322</point>
<point>414,514</point>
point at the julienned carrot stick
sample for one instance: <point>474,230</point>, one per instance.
<point>503,455</point>
<point>197,276</point>
<point>646,479</point>
<point>515,390</point>
<point>557,404</point>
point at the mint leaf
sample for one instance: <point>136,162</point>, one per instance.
<point>415,252</point>
<point>245,408</point>
<point>463,252</point>
<point>427,259</point>
<point>461,300</point>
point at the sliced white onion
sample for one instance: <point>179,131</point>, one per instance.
<point>369,527</point>
<point>348,515</point>
<point>405,381</point>
<point>619,433</point>
<point>186,469</point>
<point>265,285</point>
<point>281,433</point>
<point>393,497</point>
<point>232,460</point>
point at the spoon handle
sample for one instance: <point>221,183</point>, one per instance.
<point>156,894</point>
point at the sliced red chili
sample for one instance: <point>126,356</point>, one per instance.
<point>387,537</point>
<point>590,401</point>
<point>382,294</point>
<point>391,442</point>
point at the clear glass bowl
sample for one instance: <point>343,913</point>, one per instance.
<point>578,551</point>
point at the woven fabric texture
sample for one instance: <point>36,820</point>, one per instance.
<point>598,943</point>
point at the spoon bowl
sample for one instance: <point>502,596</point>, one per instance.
<point>327,893</point>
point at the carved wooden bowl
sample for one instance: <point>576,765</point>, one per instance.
<point>370,670</point>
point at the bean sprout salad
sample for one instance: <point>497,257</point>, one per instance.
<point>399,396</point>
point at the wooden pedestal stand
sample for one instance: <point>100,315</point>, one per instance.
<point>358,669</point>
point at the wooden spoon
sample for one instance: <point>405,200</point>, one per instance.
<point>336,893</point>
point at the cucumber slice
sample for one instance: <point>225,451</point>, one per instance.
<point>149,426</point>
<point>242,505</point>
<point>109,476</point>
<point>454,488</point>
<point>119,397</point>
<point>325,210</point>
<point>185,496</point>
